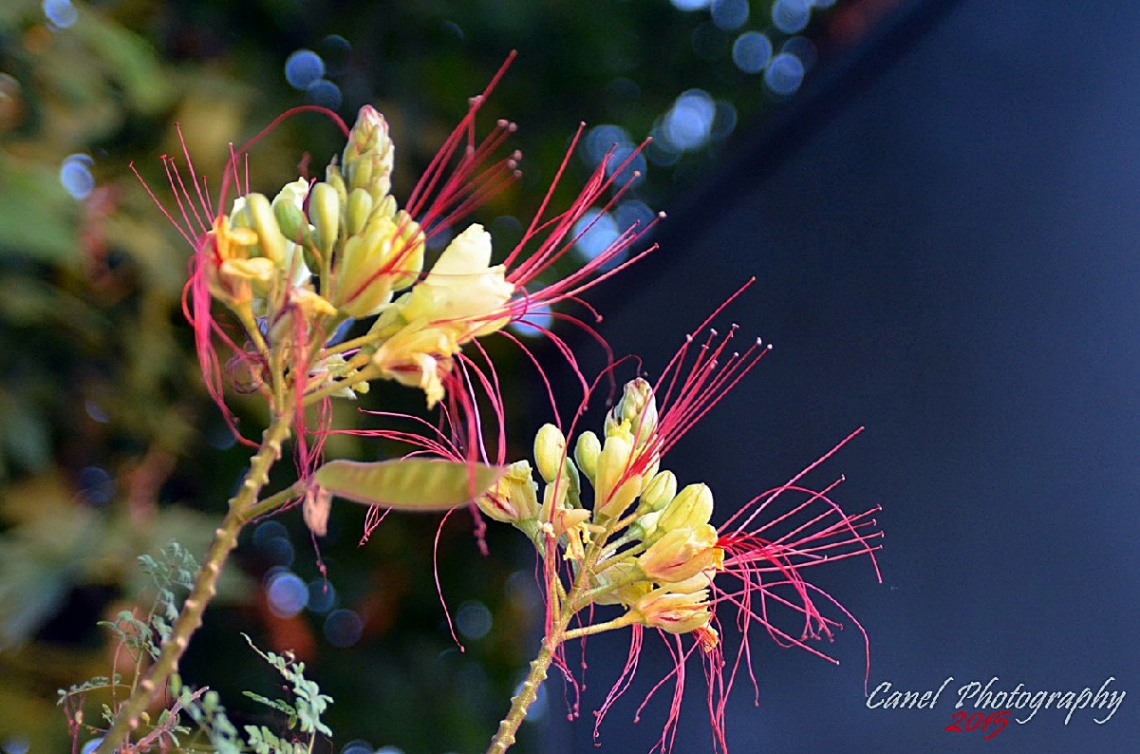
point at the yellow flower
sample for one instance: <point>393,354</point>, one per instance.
<point>681,554</point>
<point>463,291</point>
<point>417,355</point>
<point>676,613</point>
<point>514,498</point>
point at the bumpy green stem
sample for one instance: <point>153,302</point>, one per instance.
<point>505,736</point>
<point>205,584</point>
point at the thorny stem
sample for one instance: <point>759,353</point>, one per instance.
<point>505,735</point>
<point>206,582</point>
<point>563,606</point>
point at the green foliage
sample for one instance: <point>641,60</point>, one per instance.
<point>172,573</point>
<point>173,569</point>
<point>311,703</point>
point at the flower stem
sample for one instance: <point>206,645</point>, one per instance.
<point>205,583</point>
<point>505,735</point>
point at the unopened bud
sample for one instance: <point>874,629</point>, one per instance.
<point>408,249</point>
<point>693,506</point>
<point>586,452</point>
<point>363,281</point>
<point>287,208</point>
<point>324,213</point>
<point>622,580</point>
<point>369,154</point>
<point>262,219</point>
<point>636,412</point>
<point>359,211</point>
<point>660,489</point>
<point>549,450</point>
<point>615,488</point>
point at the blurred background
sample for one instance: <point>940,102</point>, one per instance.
<point>937,200</point>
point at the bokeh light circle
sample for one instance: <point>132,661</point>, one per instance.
<point>343,628</point>
<point>729,15</point>
<point>303,69</point>
<point>75,175</point>
<point>688,122</point>
<point>751,51</point>
<point>324,93</point>
<point>784,74</point>
<point>791,16</point>
<point>286,593</point>
<point>61,13</point>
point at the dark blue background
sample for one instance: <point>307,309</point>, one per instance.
<point>945,237</point>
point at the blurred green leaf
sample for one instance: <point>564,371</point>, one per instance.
<point>38,218</point>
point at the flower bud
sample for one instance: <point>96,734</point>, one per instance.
<point>659,490</point>
<point>335,178</point>
<point>363,283</point>
<point>644,526</point>
<point>636,412</point>
<point>691,507</point>
<point>586,452</point>
<point>549,450</point>
<point>287,209</point>
<point>369,154</point>
<point>262,219</point>
<point>408,249</point>
<point>358,212</point>
<point>324,213</point>
<point>672,612</point>
<point>615,488</point>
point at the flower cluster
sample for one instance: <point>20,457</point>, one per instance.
<point>301,269</point>
<point>647,546</point>
<point>612,526</point>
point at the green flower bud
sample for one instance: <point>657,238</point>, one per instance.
<point>621,579</point>
<point>287,210</point>
<point>644,527</point>
<point>586,452</point>
<point>269,238</point>
<point>324,213</point>
<point>549,450</point>
<point>369,154</point>
<point>359,211</point>
<point>660,489</point>
<point>335,178</point>
<point>693,506</point>
<point>635,413</point>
